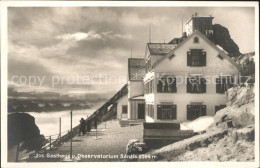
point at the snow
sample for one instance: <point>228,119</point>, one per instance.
<point>199,124</point>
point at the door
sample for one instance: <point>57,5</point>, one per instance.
<point>141,111</point>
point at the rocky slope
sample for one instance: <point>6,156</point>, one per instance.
<point>247,62</point>
<point>22,129</point>
<point>222,38</point>
<point>229,138</point>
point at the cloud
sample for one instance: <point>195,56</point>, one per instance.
<point>80,36</point>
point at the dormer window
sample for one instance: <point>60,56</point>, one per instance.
<point>196,40</point>
<point>196,57</point>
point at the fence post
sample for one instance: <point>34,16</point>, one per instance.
<point>96,132</point>
<point>50,141</point>
<point>17,152</point>
<point>71,134</point>
<point>60,130</point>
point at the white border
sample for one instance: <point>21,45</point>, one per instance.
<point>5,4</point>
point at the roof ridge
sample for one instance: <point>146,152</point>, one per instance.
<point>207,40</point>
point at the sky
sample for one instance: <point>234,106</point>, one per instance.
<point>83,51</point>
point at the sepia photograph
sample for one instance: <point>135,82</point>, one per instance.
<point>104,82</point>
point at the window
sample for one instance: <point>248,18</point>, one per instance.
<point>166,84</point>
<point>195,111</point>
<point>223,83</point>
<point>196,85</point>
<point>165,112</point>
<point>124,109</point>
<point>217,108</point>
<point>196,40</point>
<point>150,110</point>
<point>148,64</point>
<point>196,57</point>
<point>148,87</point>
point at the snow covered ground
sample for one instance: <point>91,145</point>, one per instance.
<point>199,124</point>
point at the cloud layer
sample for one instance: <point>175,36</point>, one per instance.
<point>50,41</point>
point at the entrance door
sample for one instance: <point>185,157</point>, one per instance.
<point>141,111</point>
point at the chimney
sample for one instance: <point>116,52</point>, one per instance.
<point>196,14</point>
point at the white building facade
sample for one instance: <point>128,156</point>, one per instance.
<point>188,82</point>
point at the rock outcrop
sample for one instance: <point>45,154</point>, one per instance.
<point>247,62</point>
<point>222,38</point>
<point>22,129</point>
<point>240,110</point>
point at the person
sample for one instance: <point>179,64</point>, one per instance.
<point>88,125</point>
<point>82,127</point>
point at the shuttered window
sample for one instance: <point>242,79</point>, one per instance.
<point>196,85</point>
<point>217,108</point>
<point>166,112</point>
<point>224,83</point>
<point>195,111</point>
<point>196,57</point>
<point>166,84</point>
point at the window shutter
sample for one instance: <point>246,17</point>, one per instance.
<point>152,85</point>
<point>145,88</point>
<point>203,85</point>
<point>174,112</point>
<point>159,112</point>
<point>188,85</point>
<point>203,110</point>
<point>146,109</point>
<point>203,58</point>
<point>152,112</point>
<point>174,87</point>
<point>189,112</point>
<point>216,109</point>
<point>189,59</point>
<point>231,81</point>
<point>159,86</point>
<point>218,87</point>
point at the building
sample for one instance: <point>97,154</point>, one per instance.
<point>133,104</point>
<point>180,81</point>
<point>200,23</point>
<point>188,81</point>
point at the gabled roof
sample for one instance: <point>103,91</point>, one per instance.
<point>196,32</point>
<point>136,69</point>
<point>160,48</point>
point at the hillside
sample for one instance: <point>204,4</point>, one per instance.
<point>229,138</point>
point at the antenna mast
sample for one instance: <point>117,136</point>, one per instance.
<point>149,34</point>
<point>181,26</point>
<point>131,52</point>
